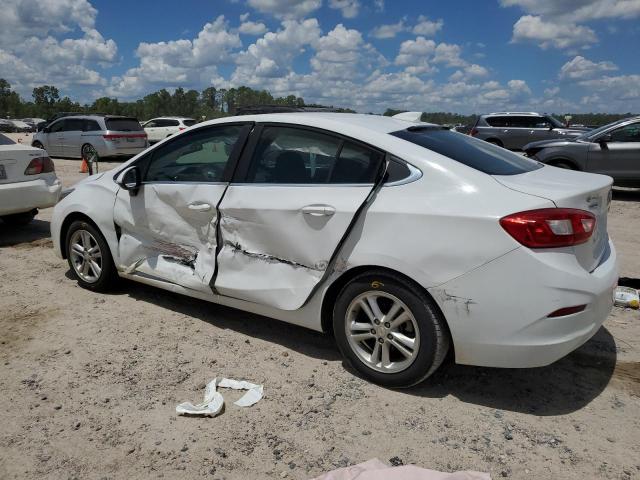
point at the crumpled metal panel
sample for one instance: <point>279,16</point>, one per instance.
<point>272,252</point>
<point>163,237</point>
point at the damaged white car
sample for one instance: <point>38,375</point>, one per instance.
<point>405,240</point>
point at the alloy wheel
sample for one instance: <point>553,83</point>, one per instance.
<point>86,256</point>
<point>382,331</point>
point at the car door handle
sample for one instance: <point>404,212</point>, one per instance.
<point>319,210</point>
<point>200,207</point>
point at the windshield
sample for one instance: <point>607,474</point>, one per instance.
<point>599,130</point>
<point>123,124</point>
<point>6,140</point>
<point>470,151</point>
<point>555,122</point>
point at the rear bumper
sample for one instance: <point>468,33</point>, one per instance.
<point>22,197</point>
<point>498,313</point>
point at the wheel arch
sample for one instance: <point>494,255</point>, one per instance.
<point>338,284</point>
<point>69,219</point>
<point>556,160</point>
<point>495,141</point>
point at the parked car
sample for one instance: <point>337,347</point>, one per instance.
<point>403,239</point>
<point>34,122</point>
<point>160,128</point>
<point>88,136</point>
<point>27,182</point>
<point>612,150</point>
<point>7,126</point>
<point>21,127</point>
<point>513,130</point>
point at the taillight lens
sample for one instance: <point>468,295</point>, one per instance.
<point>550,227</point>
<point>473,132</point>
<point>40,165</point>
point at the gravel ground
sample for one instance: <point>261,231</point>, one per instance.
<point>89,385</point>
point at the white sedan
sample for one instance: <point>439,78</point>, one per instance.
<point>28,182</point>
<point>405,240</point>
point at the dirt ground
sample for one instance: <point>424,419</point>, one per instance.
<point>89,385</point>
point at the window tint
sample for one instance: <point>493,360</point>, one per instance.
<point>72,125</point>
<point>470,151</point>
<point>57,126</point>
<point>287,155</point>
<point>151,124</point>
<point>629,133</point>
<point>91,126</point>
<point>497,121</point>
<point>171,123</point>
<point>6,140</point>
<point>189,122</point>
<point>123,124</point>
<point>199,156</point>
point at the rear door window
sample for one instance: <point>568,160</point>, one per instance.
<point>474,153</point>
<point>496,121</point>
<point>123,124</point>
<point>91,126</point>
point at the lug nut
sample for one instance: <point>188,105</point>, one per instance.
<point>387,325</point>
<point>381,340</point>
<point>376,321</point>
<point>373,332</point>
<point>390,337</point>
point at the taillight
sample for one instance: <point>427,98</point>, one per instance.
<point>182,128</point>
<point>473,132</point>
<point>550,227</point>
<point>40,165</point>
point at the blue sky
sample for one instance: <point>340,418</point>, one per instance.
<point>463,56</point>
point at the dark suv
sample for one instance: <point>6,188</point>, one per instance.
<point>513,130</point>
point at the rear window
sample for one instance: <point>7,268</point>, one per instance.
<point>123,124</point>
<point>6,140</point>
<point>470,151</point>
<point>188,123</point>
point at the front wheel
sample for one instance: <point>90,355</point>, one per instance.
<point>390,331</point>
<point>89,257</point>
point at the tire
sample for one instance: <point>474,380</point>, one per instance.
<point>20,219</point>
<point>86,237</point>
<point>495,142</point>
<point>565,165</point>
<point>424,327</point>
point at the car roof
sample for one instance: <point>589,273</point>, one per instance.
<point>338,122</point>
<point>172,118</point>
<point>524,114</point>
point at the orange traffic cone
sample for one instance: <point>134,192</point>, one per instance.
<point>84,168</point>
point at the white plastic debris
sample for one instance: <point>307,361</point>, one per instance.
<point>627,297</point>
<point>214,402</point>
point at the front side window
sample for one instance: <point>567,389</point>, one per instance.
<point>199,156</point>
<point>6,140</point>
<point>57,127</point>
<point>286,155</point>
<point>628,133</point>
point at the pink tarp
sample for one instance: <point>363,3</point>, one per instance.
<point>376,470</point>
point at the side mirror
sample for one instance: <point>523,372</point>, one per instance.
<point>130,180</point>
<point>604,139</point>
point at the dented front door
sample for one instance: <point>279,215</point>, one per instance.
<point>167,228</point>
<point>281,225</point>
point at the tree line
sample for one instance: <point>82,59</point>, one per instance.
<point>209,103</point>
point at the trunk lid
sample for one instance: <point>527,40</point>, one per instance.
<point>570,189</point>
<point>14,160</point>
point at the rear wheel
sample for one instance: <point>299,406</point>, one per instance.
<point>388,330</point>
<point>89,257</point>
<point>18,219</point>
<point>495,141</point>
<point>565,165</point>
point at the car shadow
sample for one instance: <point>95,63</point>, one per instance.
<point>629,282</point>
<point>626,194</point>
<point>563,387</point>
<point>302,340</point>
<point>36,231</point>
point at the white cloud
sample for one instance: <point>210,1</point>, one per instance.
<point>349,8</point>
<point>289,9</point>
<point>427,27</point>
<point>252,28</point>
<point>581,68</point>
<point>449,54</point>
<point>471,71</point>
<point>388,30</point>
<point>555,23</point>
<point>550,34</point>
<point>619,90</point>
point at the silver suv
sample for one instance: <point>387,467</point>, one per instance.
<point>513,130</point>
<point>92,137</point>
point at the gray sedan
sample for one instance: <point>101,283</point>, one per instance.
<point>612,150</point>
